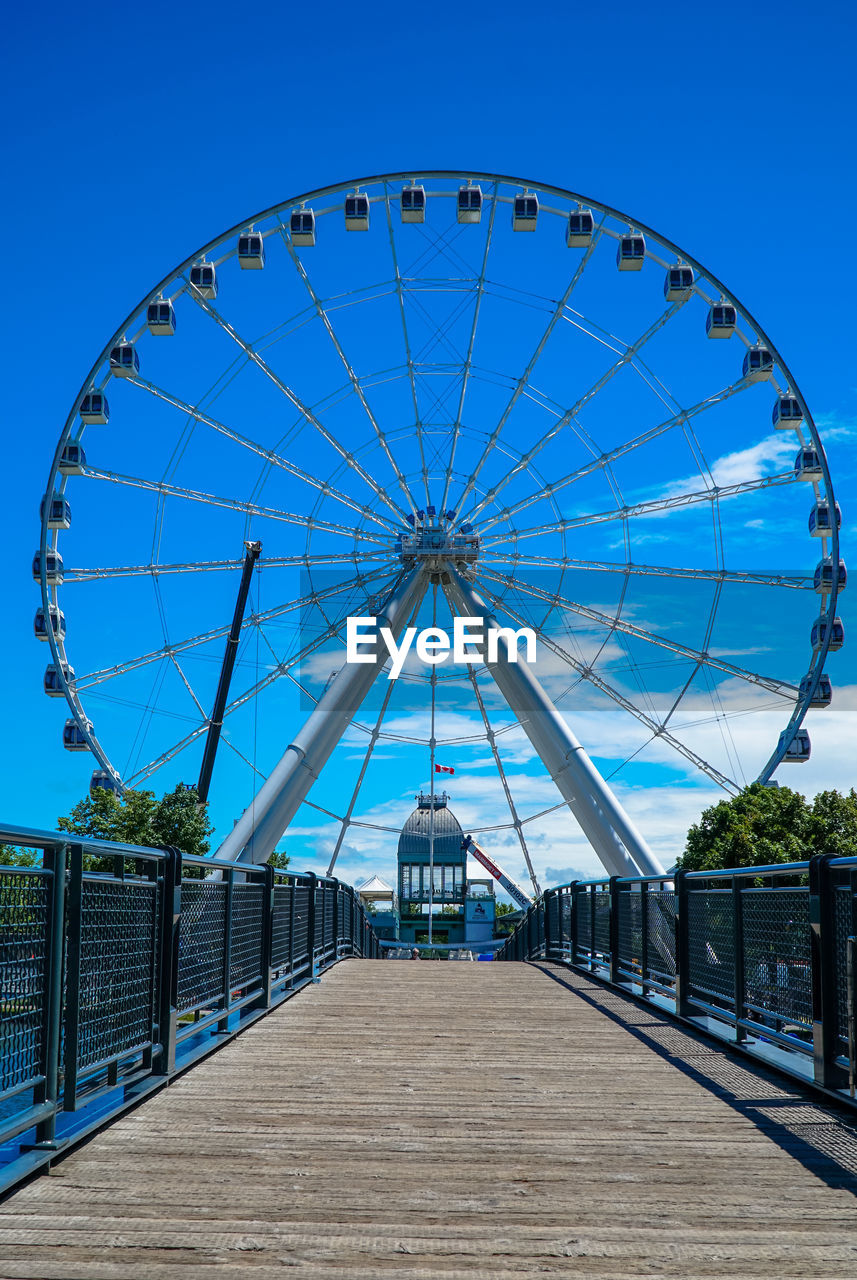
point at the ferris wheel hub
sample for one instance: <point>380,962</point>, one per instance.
<point>432,547</point>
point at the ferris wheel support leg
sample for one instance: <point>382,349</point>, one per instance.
<point>619,845</point>
<point>255,834</point>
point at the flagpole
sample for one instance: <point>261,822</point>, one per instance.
<point>431,769</point>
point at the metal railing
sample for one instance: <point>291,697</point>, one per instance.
<point>763,956</point>
<point>120,965</point>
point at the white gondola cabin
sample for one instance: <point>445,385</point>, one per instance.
<point>203,278</point>
<point>678,283</point>
<point>525,211</point>
<point>72,460</point>
<point>820,629</point>
<point>53,683</point>
<point>413,203</point>
<point>124,361</point>
<point>578,232</point>
<point>721,320</point>
<point>54,617</point>
<point>94,409</point>
<point>758,363</point>
<point>357,211</point>
<point>101,780</point>
<point>820,522</point>
<point>798,749</point>
<point>302,228</point>
<point>59,512</point>
<point>53,567</point>
<point>823,695</point>
<point>469,204</point>
<point>807,465</point>
<point>251,251</point>
<point>787,413</point>
<point>74,736</point>
<point>823,579</point>
<point>631,252</point>
<point>161,318</point>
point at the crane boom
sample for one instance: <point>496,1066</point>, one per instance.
<point>511,886</point>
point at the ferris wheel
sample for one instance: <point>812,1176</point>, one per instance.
<point>422,395</point>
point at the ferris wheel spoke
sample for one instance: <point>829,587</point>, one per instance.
<point>657,730</point>
<point>604,459</point>
<point>523,381</point>
<point>468,360</point>
<point>618,624</point>
<point>792,581</point>
<point>187,684</point>
<point>298,404</point>
<point>643,509</point>
<point>165,490</point>
<point>156,570</point>
<point>513,812</point>
<point>193,642</point>
<point>352,376</point>
<point>408,353</point>
<point>269,455</point>
<point>626,358</point>
<point>284,667</point>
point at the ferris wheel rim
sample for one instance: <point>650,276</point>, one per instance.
<point>817,664</point>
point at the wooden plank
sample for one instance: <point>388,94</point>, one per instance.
<point>440,1121</point>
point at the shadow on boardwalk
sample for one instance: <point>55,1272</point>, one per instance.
<point>819,1135</point>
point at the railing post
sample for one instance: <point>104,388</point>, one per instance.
<point>572,922</point>
<point>550,894</point>
<point>311,926</point>
<point>53,861</point>
<point>739,984</point>
<point>822,922</point>
<point>168,978</point>
<point>614,929</point>
<point>292,912</point>
<point>593,906</point>
<point>72,1014</point>
<point>223,1024</point>
<point>682,944</point>
<point>267,940</point>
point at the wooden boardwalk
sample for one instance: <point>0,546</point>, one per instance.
<point>436,1121</point>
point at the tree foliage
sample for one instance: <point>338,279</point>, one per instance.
<point>138,818</point>
<point>765,825</point>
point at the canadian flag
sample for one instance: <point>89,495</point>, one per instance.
<point>443,768</point>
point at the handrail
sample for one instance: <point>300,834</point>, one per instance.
<point>767,966</point>
<point>113,980</point>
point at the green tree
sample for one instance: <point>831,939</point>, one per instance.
<point>279,860</point>
<point>765,825</point>
<point>504,908</point>
<point>13,856</point>
<point>833,824</point>
<point>138,818</point>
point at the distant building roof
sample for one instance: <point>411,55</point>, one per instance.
<point>414,840</point>
<point>374,885</point>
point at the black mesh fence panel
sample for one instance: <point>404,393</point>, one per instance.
<point>711,948</point>
<point>660,908</point>
<point>776,935</point>
<point>202,943</point>
<point>281,925</point>
<point>118,967</point>
<point>24,906</point>
<point>248,913</point>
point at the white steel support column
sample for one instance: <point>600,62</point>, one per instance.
<point>619,845</point>
<point>255,834</point>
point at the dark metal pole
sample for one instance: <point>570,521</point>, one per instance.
<point>216,723</point>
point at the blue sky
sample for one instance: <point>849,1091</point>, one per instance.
<point>136,140</point>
